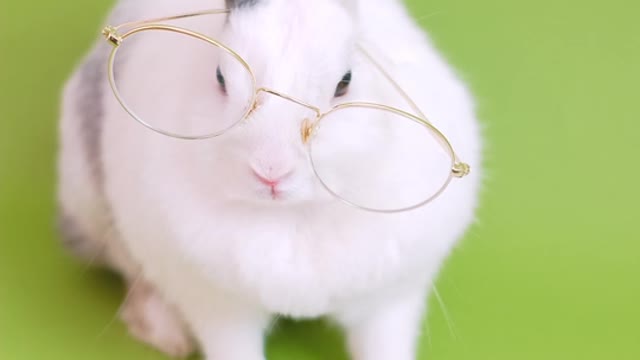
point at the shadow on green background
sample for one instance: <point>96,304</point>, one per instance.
<point>551,271</point>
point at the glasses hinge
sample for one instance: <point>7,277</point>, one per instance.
<point>110,33</point>
<point>461,169</point>
<point>307,130</point>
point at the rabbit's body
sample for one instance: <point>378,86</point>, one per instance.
<point>189,221</point>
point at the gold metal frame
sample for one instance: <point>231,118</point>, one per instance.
<point>112,34</point>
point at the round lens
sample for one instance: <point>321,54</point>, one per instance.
<point>181,85</point>
<point>380,159</point>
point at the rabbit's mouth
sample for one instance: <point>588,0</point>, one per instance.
<point>273,193</point>
<point>281,192</point>
<point>272,186</point>
<point>285,192</point>
<point>286,186</point>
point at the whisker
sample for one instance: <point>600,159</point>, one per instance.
<point>273,323</point>
<point>130,290</point>
<point>445,312</point>
<point>110,233</point>
<point>422,18</point>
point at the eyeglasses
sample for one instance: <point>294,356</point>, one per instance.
<point>348,145</point>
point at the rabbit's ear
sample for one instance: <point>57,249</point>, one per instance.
<point>234,4</point>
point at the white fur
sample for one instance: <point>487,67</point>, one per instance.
<point>227,256</point>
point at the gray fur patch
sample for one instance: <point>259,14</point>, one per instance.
<point>91,110</point>
<point>74,239</point>
<point>236,4</point>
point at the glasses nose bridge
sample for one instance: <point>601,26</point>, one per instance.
<point>315,109</point>
<point>307,125</point>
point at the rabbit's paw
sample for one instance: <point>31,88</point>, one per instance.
<point>152,321</point>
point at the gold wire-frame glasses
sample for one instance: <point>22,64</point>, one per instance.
<point>113,35</point>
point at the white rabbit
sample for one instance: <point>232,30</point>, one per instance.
<point>209,255</point>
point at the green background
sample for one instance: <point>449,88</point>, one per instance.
<point>551,270</point>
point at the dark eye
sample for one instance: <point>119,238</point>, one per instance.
<point>343,85</point>
<point>220,78</point>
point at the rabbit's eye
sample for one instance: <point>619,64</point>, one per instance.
<point>343,85</point>
<point>220,78</point>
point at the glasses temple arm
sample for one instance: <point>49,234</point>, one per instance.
<point>460,169</point>
<point>394,83</point>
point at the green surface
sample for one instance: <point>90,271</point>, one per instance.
<point>550,272</point>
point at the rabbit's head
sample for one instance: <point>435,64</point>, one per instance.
<point>303,50</point>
